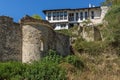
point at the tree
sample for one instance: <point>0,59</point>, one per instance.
<point>36,16</point>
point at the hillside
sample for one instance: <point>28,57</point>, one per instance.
<point>102,56</point>
<point>95,57</point>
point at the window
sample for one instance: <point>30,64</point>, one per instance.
<point>77,17</point>
<point>61,15</point>
<point>86,15</point>
<point>54,15</point>
<point>81,15</point>
<point>71,16</point>
<point>49,16</point>
<point>63,25</point>
<point>92,14</point>
<point>57,15</point>
<point>41,45</point>
<point>57,25</point>
<point>65,15</point>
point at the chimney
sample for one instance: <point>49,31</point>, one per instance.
<point>90,5</point>
<point>93,5</point>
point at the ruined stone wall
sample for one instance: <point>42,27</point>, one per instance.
<point>10,39</point>
<point>90,33</point>
<point>62,44</point>
<point>97,34</point>
<point>39,38</point>
<point>30,40</point>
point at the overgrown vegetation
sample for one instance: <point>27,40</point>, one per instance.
<point>93,48</point>
<point>111,2</point>
<point>47,69</point>
<point>111,32</point>
<point>69,32</point>
<point>65,32</point>
<point>102,58</point>
<point>36,16</point>
<point>113,27</point>
<point>95,60</point>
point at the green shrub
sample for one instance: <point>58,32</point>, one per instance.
<point>93,48</point>
<point>65,32</point>
<point>46,69</point>
<point>53,57</point>
<point>35,71</point>
<point>74,60</point>
<point>11,70</point>
<point>112,31</point>
<point>69,32</point>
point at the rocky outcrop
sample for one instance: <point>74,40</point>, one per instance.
<point>30,40</point>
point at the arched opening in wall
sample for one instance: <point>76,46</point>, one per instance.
<point>41,45</point>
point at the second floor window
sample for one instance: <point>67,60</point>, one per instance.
<point>65,15</point>
<point>57,15</point>
<point>92,14</point>
<point>81,15</point>
<point>86,15</point>
<point>71,16</point>
<point>77,17</point>
<point>49,16</point>
<point>54,15</point>
<point>61,15</point>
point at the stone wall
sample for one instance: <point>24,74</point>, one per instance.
<point>91,33</point>
<point>88,33</point>
<point>39,38</point>
<point>30,40</point>
<point>62,44</point>
<point>10,39</point>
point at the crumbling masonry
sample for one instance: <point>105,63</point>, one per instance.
<point>29,40</point>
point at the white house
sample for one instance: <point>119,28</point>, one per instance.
<point>67,18</point>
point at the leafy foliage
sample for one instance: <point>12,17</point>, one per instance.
<point>36,16</point>
<point>74,60</point>
<point>69,32</point>
<point>11,70</point>
<point>93,48</point>
<point>53,57</point>
<point>46,69</point>
<point>65,32</point>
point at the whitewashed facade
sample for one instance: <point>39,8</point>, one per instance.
<point>66,18</point>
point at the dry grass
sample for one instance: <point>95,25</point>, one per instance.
<point>101,67</point>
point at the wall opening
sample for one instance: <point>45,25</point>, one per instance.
<point>41,45</point>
